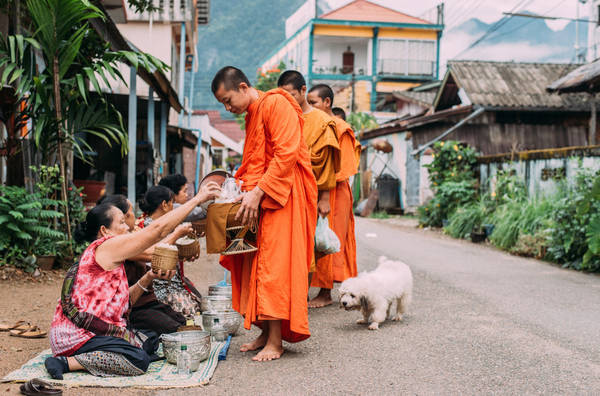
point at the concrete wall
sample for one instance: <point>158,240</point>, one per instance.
<point>327,54</point>
<point>541,176</point>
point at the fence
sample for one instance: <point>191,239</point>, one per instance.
<point>542,170</point>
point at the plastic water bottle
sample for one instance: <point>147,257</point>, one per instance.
<point>184,361</point>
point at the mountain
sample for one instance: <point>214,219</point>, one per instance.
<point>240,34</point>
<point>518,39</point>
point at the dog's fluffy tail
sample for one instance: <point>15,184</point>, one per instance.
<point>382,259</point>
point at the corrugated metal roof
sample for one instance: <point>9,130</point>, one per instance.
<point>425,98</point>
<point>514,85</point>
<point>365,11</point>
<point>585,78</point>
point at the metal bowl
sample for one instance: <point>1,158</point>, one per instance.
<point>218,290</point>
<point>198,346</point>
<point>229,319</point>
<point>215,303</point>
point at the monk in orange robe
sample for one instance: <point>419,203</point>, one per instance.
<point>321,139</point>
<point>270,285</point>
<point>343,264</point>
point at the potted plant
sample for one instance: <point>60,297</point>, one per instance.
<point>478,235</point>
<point>45,253</point>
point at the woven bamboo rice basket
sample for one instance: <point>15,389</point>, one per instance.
<point>164,259</point>
<point>199,227</point>
<point>187,251</point>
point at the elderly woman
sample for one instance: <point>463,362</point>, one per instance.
<point>147,312</point>
<point>179,292</point>
<point>89,330</point>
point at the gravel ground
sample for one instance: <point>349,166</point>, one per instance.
<point>482,322</point>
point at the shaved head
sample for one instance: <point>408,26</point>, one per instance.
<point>293,78</point>
<point>230,77</point>
<point>339,112</point>
<point>324,91</point>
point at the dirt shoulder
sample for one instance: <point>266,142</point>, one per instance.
<point>34,300</point>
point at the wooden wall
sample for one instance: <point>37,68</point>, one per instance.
<point>504,132</point>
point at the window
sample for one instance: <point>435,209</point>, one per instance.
<point>406,57</point>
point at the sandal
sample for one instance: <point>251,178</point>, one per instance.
<point>30,332</point>
<point>20,325</point>
<point>38,387</point>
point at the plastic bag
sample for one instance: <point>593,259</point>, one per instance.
<point>326,241</point>
<point>230,191</point>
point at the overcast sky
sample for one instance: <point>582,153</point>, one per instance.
<point>458,11</point>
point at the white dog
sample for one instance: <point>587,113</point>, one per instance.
<point>375,292</point>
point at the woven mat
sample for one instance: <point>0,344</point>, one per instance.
<point>160,374</point>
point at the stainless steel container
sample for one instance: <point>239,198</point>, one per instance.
<point>230,320</point>
<point>215,303</point>
<point>198,346</point>
<point>217,290</point>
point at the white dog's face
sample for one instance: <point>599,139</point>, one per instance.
<point>350,297</point>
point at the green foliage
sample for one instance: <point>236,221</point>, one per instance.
<point>380,215</point>
<point>452,180</point>
<point>574,237</point>
<point>451,161</point>
<point>361,122</point>
<point>448,196</point>
<point>23,225</point>
<point>516,218</point>
<point>62,37</point>
<point>468,218</point>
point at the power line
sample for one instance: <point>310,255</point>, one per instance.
<point>496,26</point>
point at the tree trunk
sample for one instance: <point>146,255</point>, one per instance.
<point>61,157</point>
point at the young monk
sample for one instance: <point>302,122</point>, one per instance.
<point>343,263</point>
<point>270,285</point>
<point>339,113</point>
<point>321,139</point>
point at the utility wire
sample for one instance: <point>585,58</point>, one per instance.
<point>495,27</point>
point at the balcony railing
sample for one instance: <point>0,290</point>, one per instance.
<point>337,69</point>
<point>406,67</point>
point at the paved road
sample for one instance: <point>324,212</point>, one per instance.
<point>482,322</point>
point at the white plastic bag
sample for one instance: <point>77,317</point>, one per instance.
<point>326,241</point>
<point>230,191</point>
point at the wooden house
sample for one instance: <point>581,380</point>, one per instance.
<point>495,107</point>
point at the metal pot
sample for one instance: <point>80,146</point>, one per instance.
<point>198,346</point>
<point>230,320</point>
<point>218,290</point>
<point>215,303</point>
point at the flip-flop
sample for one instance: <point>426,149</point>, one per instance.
<point>19,325</point>
<point>31,332</point>
<point>37,387</point>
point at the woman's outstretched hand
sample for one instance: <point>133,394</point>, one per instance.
<point>210,190</point>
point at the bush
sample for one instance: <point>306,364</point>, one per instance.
<point>23,226</point>
<point>574,239</point>
<point>468,219</point>
<point>452,181</point>
<point>449,196</point>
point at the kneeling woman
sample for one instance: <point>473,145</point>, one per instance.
<point>89,330</point>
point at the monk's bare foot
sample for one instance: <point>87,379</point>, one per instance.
<point>322,299</point>
<point>256,344</point>
<point>269,352</point>
<point>319,302</point>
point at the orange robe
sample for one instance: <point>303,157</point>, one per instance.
<point>342,265</point>
<point>321,138</point>
<point>272,282</point>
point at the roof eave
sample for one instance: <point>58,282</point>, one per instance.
<point>158,81</point>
